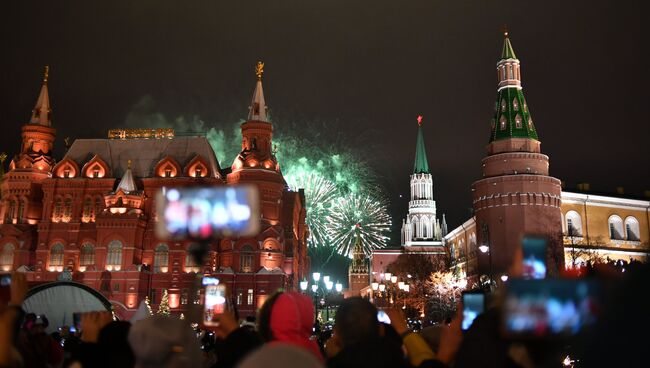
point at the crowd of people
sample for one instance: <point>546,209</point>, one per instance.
<point>283,335</point>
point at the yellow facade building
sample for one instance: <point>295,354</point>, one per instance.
<point>595,228</point>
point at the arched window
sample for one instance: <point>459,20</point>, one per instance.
<point>515,104</point>
<point>67,209</point>
<point>161,258</point>
<point>530,123</point>
<point>58,209</point>
<point>21,210</point>
<point>56,257</point>
<point>573,223</point>
<point>87,214</point>
<point>7,257</point>
<point>632,229</point>
<point>190,263</point>
<point>246,259</point>
<point>114,255</point>
<point>615,228</point>
<point>99,206</point>
<point>87,255</point>
<point>9,212</point>
<point>502,122</point>
<point>518,121</point>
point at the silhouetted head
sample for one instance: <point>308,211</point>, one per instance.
<point>356,321</point>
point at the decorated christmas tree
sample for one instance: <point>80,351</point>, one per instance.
<point>148,304</point>
<point>163,307</point>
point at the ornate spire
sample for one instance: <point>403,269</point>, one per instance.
<point>508,52</point>
<point>512,117</point>
<point>421,165</point>
<point>358,256</point>
<point>127,183</point>
<point>258,105</point>
<point>42,110</point>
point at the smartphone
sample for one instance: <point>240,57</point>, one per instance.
<point>534,256</point>
<point>208,212</point>
<point>383,317</point>
<point>215,300</point>
<point>76,320</point>
<point>473,306</point>
<point>549,308</point>
<point>5,287</point>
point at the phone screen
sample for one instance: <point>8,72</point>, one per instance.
<point>5,287</point>
<point>551,307</point>
<point>473,305</point>
<point>534,257</point>
<point>383,317</point>
<point>215,303</point>
<point>208,212</point>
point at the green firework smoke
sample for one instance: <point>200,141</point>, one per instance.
<point>314,156</point>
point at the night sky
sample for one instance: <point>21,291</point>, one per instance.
<point>368,68</point>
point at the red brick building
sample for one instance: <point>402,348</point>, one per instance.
<point>91,216</point>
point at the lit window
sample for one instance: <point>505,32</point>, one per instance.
<point>184,295</point>
<point>632,229</point>
<point>114,255</point>
<point>7,257</point>
<point>249,297</point>
<point>21,211</point>
<point>161,258</point>
<point>95,173</point>
<point>66,173</point>
<point>503,104</point>
<point>518,121</point>
<point>67,209</point>
<point>515,104</point>
<point>87,256</point>
<point>56,255</point>
<point>168,172</point>
<point>240,296</point>
<point>197,172</point>
<point>530,123</point>
<point>246,259</point>
<point>87,210</point>
<point>615,228</point>
<point>502,122</point>
<point>58,207</point>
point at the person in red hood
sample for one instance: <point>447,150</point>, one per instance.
<point>288,317</point>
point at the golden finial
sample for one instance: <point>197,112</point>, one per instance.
<point>259,70</point>
<point>3,157</point>
<point>46,74</point>
<point>505,30</point>
<point>128,164</point>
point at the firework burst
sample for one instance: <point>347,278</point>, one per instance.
<point>319,196</point>
<point>367,211</point>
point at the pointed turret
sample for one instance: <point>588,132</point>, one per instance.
<point>127,183</point>
<point>358,256</point>
<point>258,105</point>
<point>508,52</point>
<point>42,111</point>
<point>445,230</point>
<point>512,117</point>
<point>421,165</point>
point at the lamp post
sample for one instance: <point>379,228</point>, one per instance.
<point>486,248</point>
<point>321,292</point>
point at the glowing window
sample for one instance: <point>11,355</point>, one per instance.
<point>518,123</point>
<point>114,254</point>
<point>7,257</point>
<point>56,255</point>
<point>87,255</point>
<point>502,122</point>
<point>161,258</point>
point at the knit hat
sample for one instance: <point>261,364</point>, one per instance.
<point>165,342</point>
<point>280,355</point>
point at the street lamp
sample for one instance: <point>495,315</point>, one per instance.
<point>316,276</point>
<point>314,288</point>
<point>339,287</point>
<point>304,285</point>
<point>485,248</point>
<point>326,279</point>
<point>504,278</point>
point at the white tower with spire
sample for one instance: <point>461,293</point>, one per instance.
<point>421,228</point>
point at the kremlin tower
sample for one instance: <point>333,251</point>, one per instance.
<point>421,228</point>
<point>516,195</point>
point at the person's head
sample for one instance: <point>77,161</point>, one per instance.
<point>356,321</point>
<point>114,337</point>
<point>166,342</point>
<point>280,355</point>
<point>288,317</point>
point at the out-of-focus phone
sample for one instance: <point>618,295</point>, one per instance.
<point>215,300</point>
<point>383,317</point>
<point>5,287</point>
<point>473,306</point>
<point>208,212</point>
<point>549,308</point>
<point>534,256</point>
<point>76,320</point>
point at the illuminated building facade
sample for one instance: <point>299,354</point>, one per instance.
<point>91,217</point>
